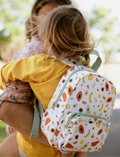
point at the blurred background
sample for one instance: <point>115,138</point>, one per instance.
<point>104,21</point>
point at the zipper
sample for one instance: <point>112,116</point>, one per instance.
<point>83,115</point>
<point>75,71</point>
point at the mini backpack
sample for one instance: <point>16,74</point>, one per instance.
<point>78,114</point>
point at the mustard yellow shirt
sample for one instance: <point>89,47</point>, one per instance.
<point>43,76</point>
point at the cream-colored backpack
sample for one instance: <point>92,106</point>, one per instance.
<point>78,115</point>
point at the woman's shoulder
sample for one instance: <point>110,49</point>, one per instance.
<point>30,49</point>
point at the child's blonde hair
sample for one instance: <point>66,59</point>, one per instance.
<point>66,30</point>
<point>28,32</point>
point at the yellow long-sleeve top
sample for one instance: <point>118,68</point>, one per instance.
<point>43,76</point>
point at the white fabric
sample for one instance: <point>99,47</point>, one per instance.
<point>21,153</point>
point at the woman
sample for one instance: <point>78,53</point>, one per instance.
<point>22,122</point>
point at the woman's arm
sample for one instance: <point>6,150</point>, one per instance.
<point>20,117</point>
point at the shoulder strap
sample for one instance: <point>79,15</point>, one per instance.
<point>98,61</point>
<point>73,62</point>
<point>36,119</point>
<point>36,122</point>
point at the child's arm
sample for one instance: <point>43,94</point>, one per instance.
<point>16,91</point>
<point>25,70</point>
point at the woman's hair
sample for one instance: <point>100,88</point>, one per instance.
<point>38,5</point>
<point>28,29</point>
<point>66,30</point>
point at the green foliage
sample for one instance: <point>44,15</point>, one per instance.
<point>102,21</point>
<point>2,131</point>
<point>12,17</point>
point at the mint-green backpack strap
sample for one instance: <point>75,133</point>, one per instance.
<point>97,63</point>
<point>36,119</point>
<point>41,110</point>
<point>36,122</point>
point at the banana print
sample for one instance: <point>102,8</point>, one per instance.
<point>112,91</point>
<point>81,142</point>
<point>88,93</point>
<point>101,107</point>
<point>87,133</point>
<point>82,148</point>
<point>68,106</point>
<point>84,102</point>
<point>106,129</point>
<point>97,79</point>
<point>83,80</point>
<point>62,136</point>
<point>90,97</point>
<point>104,97</point>
<point>48,128</point>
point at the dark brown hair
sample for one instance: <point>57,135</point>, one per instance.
<point>39,4</point>
<point>66,29</point>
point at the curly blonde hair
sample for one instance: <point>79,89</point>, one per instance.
<point>66,29</point>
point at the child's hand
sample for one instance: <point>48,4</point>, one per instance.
<point>9,130</point>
